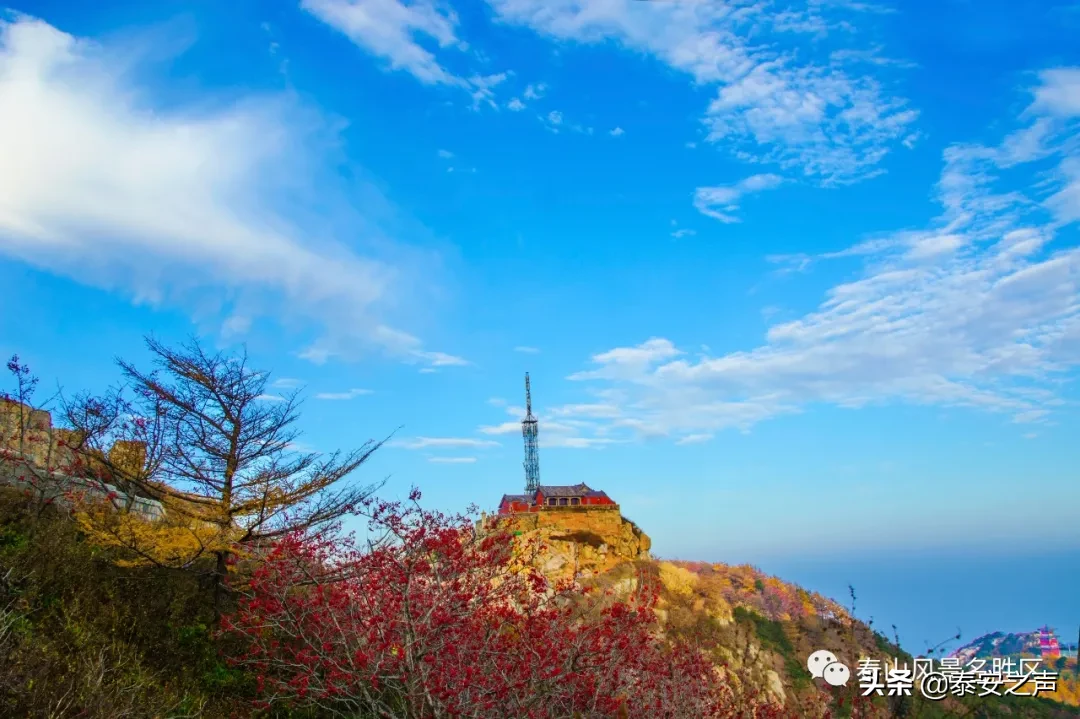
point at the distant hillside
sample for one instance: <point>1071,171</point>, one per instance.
<point>776,625</point>
<point>1025,644</point>
<point>760,627</point>
<point>1000,644</point>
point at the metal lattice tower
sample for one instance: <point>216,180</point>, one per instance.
<point>529,430</point>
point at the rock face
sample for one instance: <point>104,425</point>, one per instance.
<point>579,541</point>
<point>35,454</point>
<point>27,434</point>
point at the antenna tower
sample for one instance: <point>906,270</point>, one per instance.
<point>529,431</point>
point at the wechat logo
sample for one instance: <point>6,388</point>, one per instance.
<point>823,665</point>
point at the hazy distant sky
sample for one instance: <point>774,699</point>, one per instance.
<point>791,279</point>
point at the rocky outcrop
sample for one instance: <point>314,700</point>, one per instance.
<point>578,542</point>
<point>53,461</point>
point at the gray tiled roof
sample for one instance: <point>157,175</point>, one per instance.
<point>515,498</point>
<point>577,490</point>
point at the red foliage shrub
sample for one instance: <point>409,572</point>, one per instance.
<point>433,619</point>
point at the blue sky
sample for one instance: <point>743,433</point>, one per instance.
<point>793,280</point>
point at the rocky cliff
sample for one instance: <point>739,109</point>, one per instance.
<point>53,461</point>
<point>757,628</point>
<point>579,542</point>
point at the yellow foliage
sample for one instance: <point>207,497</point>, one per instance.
<point>677,580</point>
<point>176,539</point>
<point>1068,689</point>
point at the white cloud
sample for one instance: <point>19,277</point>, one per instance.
<point>350,394</point>
<point>722,202</point>
<point>482,89</point>
<point>446,154</point>
<point>555,117</point>
<point>628,361</point>
<point>535,92</point>
<point>781,97</point>
<point>681,233</point>
<point>515,105</point>
<point>1058,92</point>
<point>452,460</point>
<point>1032,415</point>
<point>441,359</point>
<point>428,370</point>
<point>396,32</point>
<point>577,442</point>
<point>270,398</point>
<point>695,438</point>
<point>576,426</point>
<point>391,30</point>
<point>596,409</point>
<point>182,205</point>
<point>286,383</point>
<point>503,428</point>
<point>425,442</point>
<point>526,350</point>
<point>979,310</point>
<point>617,132</point>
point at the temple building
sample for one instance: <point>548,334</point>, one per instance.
<point>537,496</point>
<point>547,496</point>
<point>1048,644</point>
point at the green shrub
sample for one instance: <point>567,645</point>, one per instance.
<point>87,638</point>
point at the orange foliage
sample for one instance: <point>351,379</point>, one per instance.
<point>747,586</point>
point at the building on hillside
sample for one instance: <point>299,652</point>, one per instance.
<point>537,496</point>
<point>578,495</point>
<point>1048,644</point>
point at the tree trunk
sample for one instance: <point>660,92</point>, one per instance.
<point>221,571</point>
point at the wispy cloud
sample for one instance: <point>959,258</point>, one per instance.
<point>502,428</point>
<point>350,394</point>
<point>555,121</point>
<point>452,460</point>
<point>175,204</point>
<point>722,203</point>
<point>286,383</point>
<point>270,398</point>
<point>391,30</point>
<point>617,132</point>
<point>580,426</point>
<point>441,359</point>
<point>1058,93</point>
<point>400,33</point>
<point>780,97</point>
<point>978,310</point>
<point>426,442</point>
<point>526,350</point>
<point>515,105</point>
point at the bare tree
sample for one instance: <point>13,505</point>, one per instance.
<point>200,435</point>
